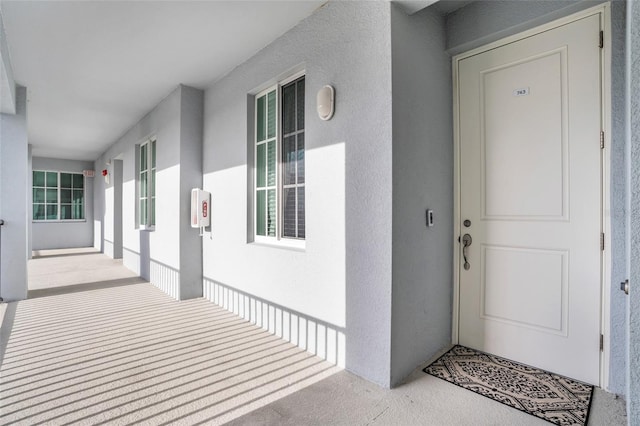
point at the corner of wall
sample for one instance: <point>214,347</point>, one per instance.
<point>422,179</point>
<point>369,192</point>
<point>191,128</point>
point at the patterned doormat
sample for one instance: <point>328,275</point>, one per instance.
<point>551,397</point>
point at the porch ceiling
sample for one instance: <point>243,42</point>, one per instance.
<point>93,69</point>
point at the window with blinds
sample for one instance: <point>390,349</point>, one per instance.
<point>293,159</point>
<point>279,162</point>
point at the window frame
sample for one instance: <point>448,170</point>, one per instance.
<point>275,187</point>
<point>281,166</point>
<point>151,184</point>
<point>59,202</point>
<point>279,239</point>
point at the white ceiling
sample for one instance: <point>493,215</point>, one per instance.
<point>95,68</point>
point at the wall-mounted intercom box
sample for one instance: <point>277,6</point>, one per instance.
<point>200,208</point>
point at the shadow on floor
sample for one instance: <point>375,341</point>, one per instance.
<point>5,328</point>
<point>77,288</point>
<point>81,251</point>
<point>130,354</point>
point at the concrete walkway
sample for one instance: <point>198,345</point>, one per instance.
<point>119,351</point>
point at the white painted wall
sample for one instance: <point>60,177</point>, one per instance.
<point>155,255</point>
<point>14,200</point>
<point>55,235</point>
<point>338,289</point>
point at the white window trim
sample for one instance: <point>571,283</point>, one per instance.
<point>58,220</point>
<point>148,226</point>
<point>263,238</point>
<point>278,240</point>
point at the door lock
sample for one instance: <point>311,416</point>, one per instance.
<point>466,242</point>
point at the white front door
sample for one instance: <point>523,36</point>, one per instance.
<point>530,189</point>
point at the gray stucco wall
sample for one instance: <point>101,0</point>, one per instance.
<point>29,202</point>
<point>8,99</point>
<point>14,209</point>
<point>55,235</point>
<point>191,115</point>
<point>422,179</point>
<point>366,128</point>
<point>633,68</point>
<point>117,176</point>
<point>487,21</point>
<point>483,22</point>
<point>155,254</point>
<point>343,277</point>
<point>140,247</point>
<point>99,198</point>
<point>618,192</point>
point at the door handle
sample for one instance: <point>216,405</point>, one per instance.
<point>466,242</point>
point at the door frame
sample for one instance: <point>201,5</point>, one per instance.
<point>604,11</point>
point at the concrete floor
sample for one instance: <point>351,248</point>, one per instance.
<point>109,348</point>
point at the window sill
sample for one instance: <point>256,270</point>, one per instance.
<point>147,228</point>
<point>285,243</point>
<point>60,221</point>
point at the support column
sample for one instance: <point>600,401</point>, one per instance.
<point>14,200</point>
